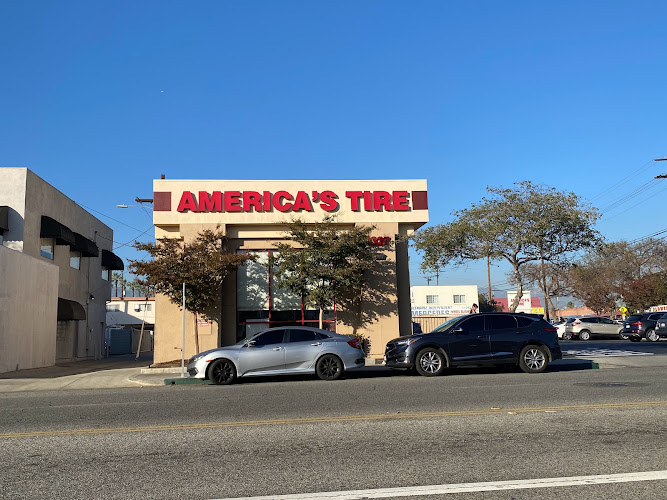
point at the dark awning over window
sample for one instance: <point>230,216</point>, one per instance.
<point>70,310</point>
<point>112,261</point>
<point>51,228</point>
<point>85,246</point>
<point>4,217</point>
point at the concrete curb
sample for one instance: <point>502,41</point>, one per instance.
<point>184,381</point>
<point>154,371</point>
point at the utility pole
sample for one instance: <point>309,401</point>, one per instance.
<point>662,176</point>
<point>488,272</point>
<point>437,277</point>
<point>428,280</point>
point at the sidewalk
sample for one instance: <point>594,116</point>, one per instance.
<point>125,371</point>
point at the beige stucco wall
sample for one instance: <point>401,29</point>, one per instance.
<point>30,197</point>
<point>390,295</point>
<point>28,310</point>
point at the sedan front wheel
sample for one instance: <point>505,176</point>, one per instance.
<point>222,372</point>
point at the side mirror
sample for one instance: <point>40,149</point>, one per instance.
<point>251,343</point>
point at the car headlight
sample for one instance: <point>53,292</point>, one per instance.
<point>407,342</point>
<point>196,358</point>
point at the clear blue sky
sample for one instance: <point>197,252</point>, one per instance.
<point>99,98</point>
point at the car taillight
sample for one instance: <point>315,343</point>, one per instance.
<point>551,329</point>
<point>354,343</point>
<point>576,323</point>
<point>638,323</point>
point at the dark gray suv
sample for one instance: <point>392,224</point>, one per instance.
<point>641,325</point>
<point>478,339</point>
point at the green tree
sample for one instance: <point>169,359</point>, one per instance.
<point>486,305</point>
<point>570,304</point>
<point>552,278</point>
<point>325,264</point>
<point>202,264</point>
<point>528,223</point>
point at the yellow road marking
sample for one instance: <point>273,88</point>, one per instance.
<point>345,418</point>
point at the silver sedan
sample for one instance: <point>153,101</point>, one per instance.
<point>280,351</point>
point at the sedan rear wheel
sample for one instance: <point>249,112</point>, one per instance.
<point>567,335</point>
<point>329,367</point>
<point>584,335</point>
<point>623,336</point>
<point>222,372</point>
<point>430,362</point>
<point>533,359</point>
<point>651,336</point>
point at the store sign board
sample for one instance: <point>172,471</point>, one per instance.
<point>440,310</point>
<point>292,201</point>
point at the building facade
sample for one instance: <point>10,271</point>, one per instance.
<point>433,305</point>
<point>253,214</point>
<point>59,255</point>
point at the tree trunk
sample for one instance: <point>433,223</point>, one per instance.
<point>519,289</point>
<point>196,336</point>
<point>321,316</point>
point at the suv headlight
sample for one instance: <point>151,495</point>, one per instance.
<point>407,342</point>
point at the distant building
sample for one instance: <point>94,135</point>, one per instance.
<point>527,304</point>
<point>433,305</point>
<point>55,265</point>
<point>131,312</point>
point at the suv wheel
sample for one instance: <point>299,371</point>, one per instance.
<point>584,335</point>
<point>651,336</point>
<point>533,359</point>
<point>622,336</point>
<point>430,362</point>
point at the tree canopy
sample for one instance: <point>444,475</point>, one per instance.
<point>202,264</point>
<point>324,263</point>
<point>526,223</point>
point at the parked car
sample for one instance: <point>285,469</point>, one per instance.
<point>641,325</point>
<point>478,339</point>
<point>584,328</point>
<point>661,326</point>
<point>564,329</point>
<point>280,351</point>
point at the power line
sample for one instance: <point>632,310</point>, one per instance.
<point>622,181</point>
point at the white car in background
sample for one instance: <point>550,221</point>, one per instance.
<point>564,328</point>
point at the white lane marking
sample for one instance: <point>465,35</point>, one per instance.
<point>604,352</point>
<point>442,489</point>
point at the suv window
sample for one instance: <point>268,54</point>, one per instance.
<point>501,322</point>
<point>473,324</point>
<point>655,316</point>
<point>268,338</point>
<point>634,317</point>
<point>588,320</point>
<point>302,336</point>
<point>524,321</point>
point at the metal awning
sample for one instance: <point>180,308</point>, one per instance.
<point>4,217</point>
<point>51,228</point>
<point>87,247</point>
<point>70,310</point>
<point>112,261</point>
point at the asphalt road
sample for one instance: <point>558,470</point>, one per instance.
<point>370,430</point>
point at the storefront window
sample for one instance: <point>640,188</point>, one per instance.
<point>260,304</point>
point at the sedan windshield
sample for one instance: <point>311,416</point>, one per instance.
<point>446,325</point>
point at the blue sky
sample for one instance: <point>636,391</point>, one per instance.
<point>100,98</point>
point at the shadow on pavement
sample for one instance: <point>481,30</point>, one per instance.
<point>86,366</point>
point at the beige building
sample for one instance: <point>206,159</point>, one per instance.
<point>253,215</point>
<point>55,264</point>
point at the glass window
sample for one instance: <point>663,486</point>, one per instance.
<point>431,299</point>
<point>655,316</point>
<point>143,307</point>
<point>303,336</point>
<point>106,274</point>
<point>75,259</point>
<point>524,321</point>
<point>46,247</point>
<point>268,338</point>
<point>473,324</point>
<point>459,299</point>
<point>501,322</point>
